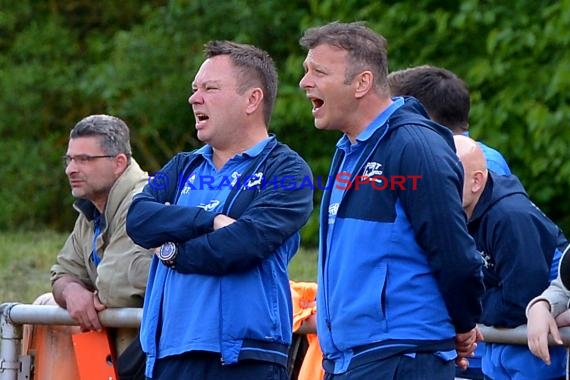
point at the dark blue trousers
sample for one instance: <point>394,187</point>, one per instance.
<point>424,366</point>
<point>199,365</point>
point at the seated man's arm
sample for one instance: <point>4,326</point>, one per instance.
<point>541,313</point>
<point>81,303</point>
<point>72,287</point>
<point>540,324</point>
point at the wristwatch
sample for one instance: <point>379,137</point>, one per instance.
<point>167,253</point>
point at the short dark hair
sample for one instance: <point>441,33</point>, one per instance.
<point>113,133</point>
<point>366,49</point>
<point>443,94</point>
<point>255,68</point>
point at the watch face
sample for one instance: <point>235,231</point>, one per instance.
<point>167,251</point>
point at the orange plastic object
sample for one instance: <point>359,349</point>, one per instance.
<point>94,356</point>
<point>52,349</point>
<point>304,297</point>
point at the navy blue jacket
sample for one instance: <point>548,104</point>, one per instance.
<point>277,212</point>
<point>518,243</point>
<point>401,272</point>
<point>248,258</point>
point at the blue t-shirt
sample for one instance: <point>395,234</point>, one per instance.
<point>495,160</point>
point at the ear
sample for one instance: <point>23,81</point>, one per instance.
<point>478,181</point>
<point>364,83</point>
<point>121,163</point>
<point>254,100</point>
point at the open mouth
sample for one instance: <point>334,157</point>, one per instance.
<point>201,117</point>
<point>317,103</point>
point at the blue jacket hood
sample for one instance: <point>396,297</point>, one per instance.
<point>407,114</point>
<point>509,185</point>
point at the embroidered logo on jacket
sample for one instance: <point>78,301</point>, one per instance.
<point>235,177</point>
<point>211,205</point>
<point>254,180</point>
<point>373,169</point>
<point>333,210</point>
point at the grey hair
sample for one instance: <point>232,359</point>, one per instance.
<point>113,133</point>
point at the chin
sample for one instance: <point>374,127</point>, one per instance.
<point>319,124</point>
<point>203,137</point>
<point>77,193</point>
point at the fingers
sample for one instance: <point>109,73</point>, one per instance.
<point>539,325</point>
<point>91,320</point>
<point>539,347</point>
<point>555,332</point>
<point>479,335</point>
<point>99,306</point>
<point>465,343</point>
<point>82,308</point>
<point>462,363</point>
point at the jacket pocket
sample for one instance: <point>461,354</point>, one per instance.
<point>361,316</point>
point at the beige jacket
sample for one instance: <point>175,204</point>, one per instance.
<point>120,278</point>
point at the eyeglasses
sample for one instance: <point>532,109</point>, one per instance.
<point>83,159</point>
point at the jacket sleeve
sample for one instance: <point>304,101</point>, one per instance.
<point>71,259</point>
<point>274,215</point>
<point>439,223</point>
<point>556,295</point>
<point>152,222</point>
<point>521,270</point>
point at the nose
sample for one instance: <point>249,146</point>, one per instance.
<point>71,167</point>
<point>305,81</point>
<point>193,98</point>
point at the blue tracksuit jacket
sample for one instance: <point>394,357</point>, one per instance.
<point>248,259</point>
<point>401,273</point>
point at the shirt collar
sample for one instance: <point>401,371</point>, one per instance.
<point>206,151</point>
<point>344,142</point>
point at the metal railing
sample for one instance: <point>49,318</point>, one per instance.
<point>14,315</point>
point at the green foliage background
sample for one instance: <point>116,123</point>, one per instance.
<point>61,60</point>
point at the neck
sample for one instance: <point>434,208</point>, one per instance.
<point>100,205</point>
<point>369,109</point>
<point>222,155</point>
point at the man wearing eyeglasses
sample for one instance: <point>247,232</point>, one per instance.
<point>103,178</point>
<point>99,266</point>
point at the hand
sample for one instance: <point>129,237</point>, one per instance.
<point>540,324</point>
<point>465,345</point>
<point>309,325</point>
<point>83,306</point>
<point>222,220</point>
